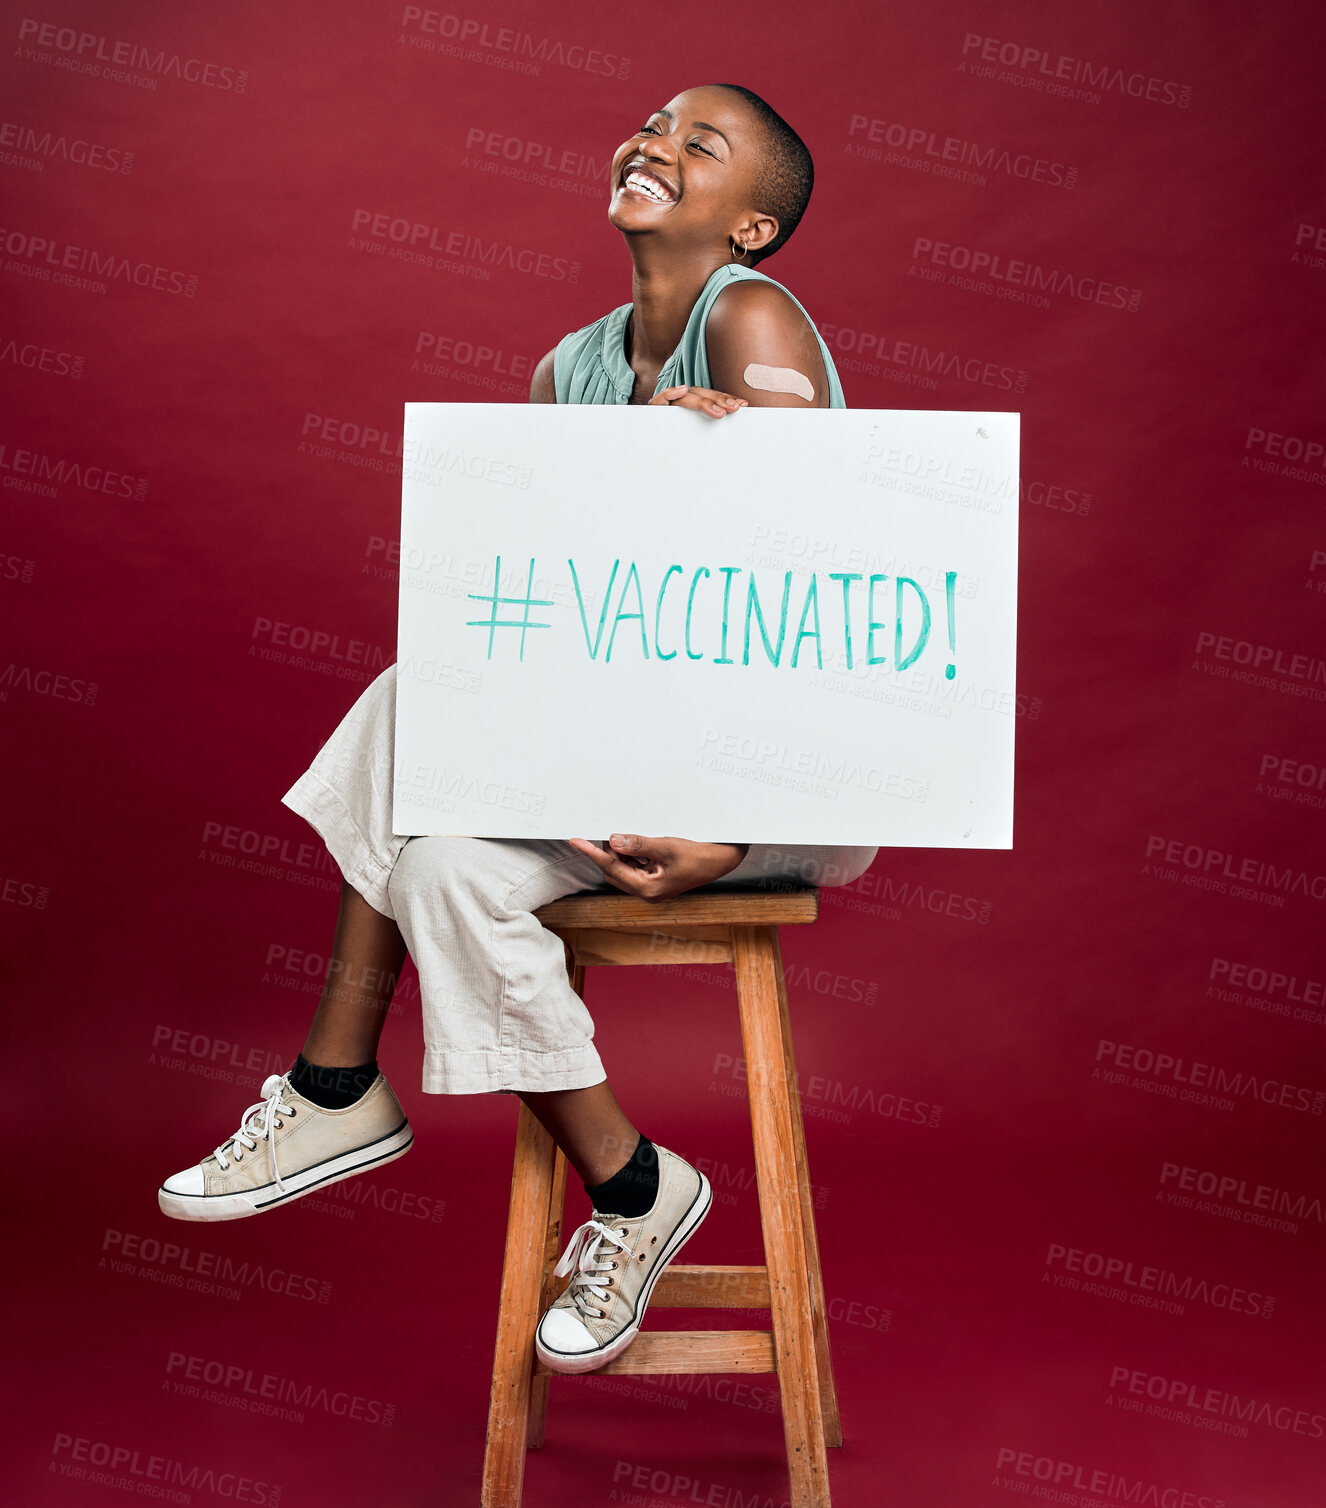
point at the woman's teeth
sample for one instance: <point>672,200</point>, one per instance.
<point>647,186</point>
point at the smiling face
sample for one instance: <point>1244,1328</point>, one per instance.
<point>688,175</point>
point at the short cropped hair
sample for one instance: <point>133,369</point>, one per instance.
<point>784,182</point>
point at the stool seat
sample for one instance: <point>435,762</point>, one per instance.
<point>711,924</point>
<point>708,903</point>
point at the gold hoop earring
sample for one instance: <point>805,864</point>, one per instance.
<point>744,250</point>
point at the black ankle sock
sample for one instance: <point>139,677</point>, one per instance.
<point>331,1088</point>
<point>631,1190</point>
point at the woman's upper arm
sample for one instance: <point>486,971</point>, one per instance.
<point>762,348</point>
<point>542,388</point>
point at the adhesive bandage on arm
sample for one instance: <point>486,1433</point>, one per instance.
<point>779,380</point>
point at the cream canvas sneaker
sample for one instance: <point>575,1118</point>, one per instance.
<point>287,1146</point>
<point>617,1261</point>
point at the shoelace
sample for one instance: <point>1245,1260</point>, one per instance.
<point>583,1251</point>
<point>250,1133</point>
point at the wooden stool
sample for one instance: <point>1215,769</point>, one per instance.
<point>719,925</point>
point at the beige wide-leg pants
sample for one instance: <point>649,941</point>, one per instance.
<point>499,1013</point>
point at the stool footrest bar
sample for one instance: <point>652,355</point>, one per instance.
<point>686,1351</point>
<point>691,1286</point>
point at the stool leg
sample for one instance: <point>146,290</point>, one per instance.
<point>756,959</point>
<point>538,1405</point>
<point>528,1220</point>
<point>833,1432</point>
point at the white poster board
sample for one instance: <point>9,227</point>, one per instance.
<point>781,626</point>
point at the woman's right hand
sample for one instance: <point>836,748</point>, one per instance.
<point>707,400</point>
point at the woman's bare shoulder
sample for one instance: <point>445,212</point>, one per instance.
<point>758,322</point>
<point>542,388</point>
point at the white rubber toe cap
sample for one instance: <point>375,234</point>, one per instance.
<point>190,1181</point>
<point>561,1332</point>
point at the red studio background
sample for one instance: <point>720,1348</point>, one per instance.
<point>1064,1104</point>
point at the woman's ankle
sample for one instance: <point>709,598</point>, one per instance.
<point>332,1086</point>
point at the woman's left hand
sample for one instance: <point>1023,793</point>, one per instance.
<point>705,400</point>
<point>657,868</point>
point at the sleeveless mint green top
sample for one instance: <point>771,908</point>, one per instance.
<point>590,365</point>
